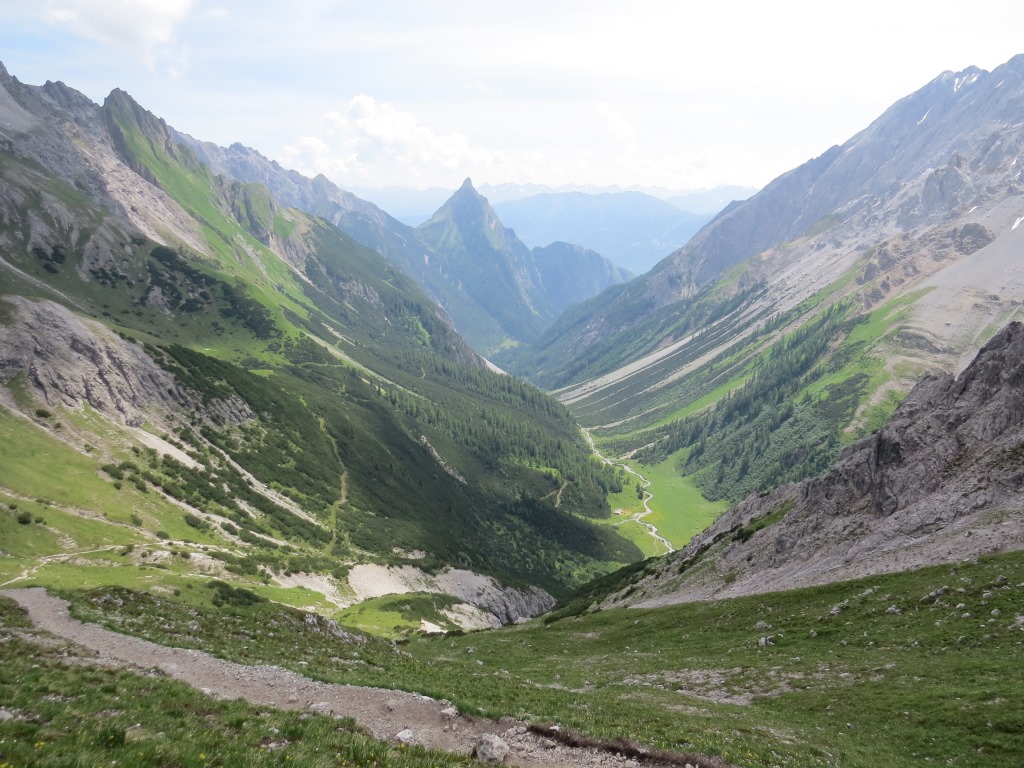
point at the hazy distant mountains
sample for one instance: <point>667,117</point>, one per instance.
<point>632,229</point>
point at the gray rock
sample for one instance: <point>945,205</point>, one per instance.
<point>490,748</point>
<point>405,736</point>
<point>449,713</point>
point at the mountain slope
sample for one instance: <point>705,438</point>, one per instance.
<point>250,379</point>
<point>451,278</point>
<point>796,320</point>
<point>632,229</point>
<point>941,482</point>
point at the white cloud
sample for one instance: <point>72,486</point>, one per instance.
<point>375,143</point>
<point>145,25</point>
<point>620,128</point>
<point>216,13</point>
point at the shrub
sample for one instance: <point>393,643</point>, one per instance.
<point>25,518</point>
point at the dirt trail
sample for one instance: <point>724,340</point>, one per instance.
<point>384,713</point>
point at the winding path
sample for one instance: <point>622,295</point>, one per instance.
<point>384,713</point>
<point>638,517</point>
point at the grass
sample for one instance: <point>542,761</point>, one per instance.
<point>83,715</point>
<point>679,510</point>
<point>879,671</point>
<point>397,615</point>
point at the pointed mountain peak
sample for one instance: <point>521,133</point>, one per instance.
<point>466,204</point>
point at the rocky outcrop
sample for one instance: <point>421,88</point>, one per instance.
<point>70,361</point>
<point>503,604</point>
<point>941,482</point>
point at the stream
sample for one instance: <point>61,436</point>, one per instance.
<point>638,517</point>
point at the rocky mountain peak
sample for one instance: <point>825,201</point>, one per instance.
<point>467,205</point>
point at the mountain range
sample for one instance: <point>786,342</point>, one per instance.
<point>505,294</point>
<point>632,229</point>
<point>222,415</point>
<point>797,320</point>
<point>190,366</point>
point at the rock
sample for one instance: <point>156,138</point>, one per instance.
<point>893,610</point>
<point>449,713</point>
<point>548,743</point>
<point>490,749</point>
<point>933,596</point>
<point>762,625</point>
<point>293,699</point>
<point>391,705</point>
<point>5,715</point>
<point>763,642</point>
<point>405,736</point>
<point>321,707</point>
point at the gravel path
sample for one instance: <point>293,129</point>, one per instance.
<point>384,713</point>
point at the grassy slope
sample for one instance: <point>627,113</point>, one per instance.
<point>680,489</point>
<point>846,681</point>
<point>83,715</point>
<point>383,371</point>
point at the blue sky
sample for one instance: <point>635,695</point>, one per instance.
<point>418,94</point>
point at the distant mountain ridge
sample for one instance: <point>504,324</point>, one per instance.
<point>630,228</point>
<point>502,294</point>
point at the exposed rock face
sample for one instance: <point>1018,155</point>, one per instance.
<point>70,361</point>
<point>503,604</point>
<point>941,482</point>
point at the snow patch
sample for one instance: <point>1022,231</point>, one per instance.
<point>961,82</point>
<point>1017,223</point>
<point>925,117</point>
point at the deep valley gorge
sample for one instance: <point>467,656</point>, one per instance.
<point>285,480</point>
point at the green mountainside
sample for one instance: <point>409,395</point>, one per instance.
<point>497,292</point>
<point>797,320</point>
<point>243,383</point>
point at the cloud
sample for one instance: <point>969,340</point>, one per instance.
<point>375,143</point>
<point>145,25</point>
<point>619,127</point>
<point>216,13</point>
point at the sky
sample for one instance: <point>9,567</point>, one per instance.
<point>637,94</point>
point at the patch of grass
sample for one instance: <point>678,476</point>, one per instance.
<point>680,511</point>
<point>399,615</point>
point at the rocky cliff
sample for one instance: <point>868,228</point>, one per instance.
<point>941,482</point>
